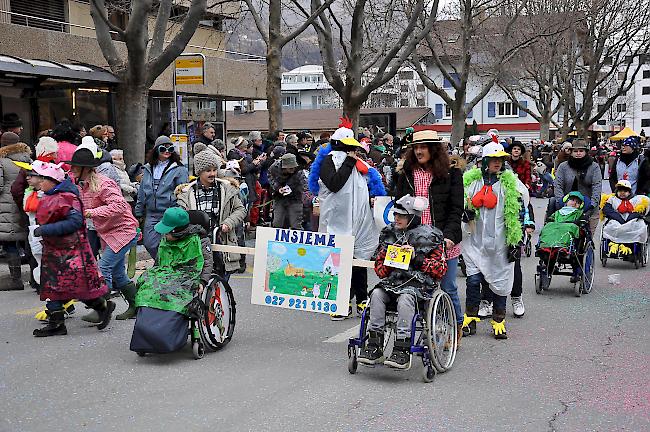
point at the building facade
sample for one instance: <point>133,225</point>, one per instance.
<point>51,67</point>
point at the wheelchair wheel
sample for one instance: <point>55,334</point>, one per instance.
<point>218,324</point>
<point>463,267</point>
<point>538,284</point>
<point>587,280</point>
<point>644,255</point>
<point>352,360</point>
<point>441,331</point>
<point>428,374</point>
<point>198,350</point>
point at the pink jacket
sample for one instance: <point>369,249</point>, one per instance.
<point>110,213</point>
<point>64,153</point>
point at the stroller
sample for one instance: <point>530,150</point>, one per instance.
<point>208,319</point>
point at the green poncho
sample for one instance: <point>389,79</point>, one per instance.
<point>561,231</point>
<point>171,283</point>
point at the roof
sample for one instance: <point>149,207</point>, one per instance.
<point>306,69</point>
<point>82,73</point>
<point>317,120</point>
<point>336,259</point>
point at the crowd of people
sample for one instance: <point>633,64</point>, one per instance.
<point>70,204</point>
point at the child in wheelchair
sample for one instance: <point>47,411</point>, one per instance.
<point>410,260</point>
<point>561,229</point>
<point>183,266</point>
<point>625,222</point>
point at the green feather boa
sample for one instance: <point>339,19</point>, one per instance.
<point>512,205</point>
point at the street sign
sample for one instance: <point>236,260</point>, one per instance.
<point>190,69</point>
<point>180,142</point>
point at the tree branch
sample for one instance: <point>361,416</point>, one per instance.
<point>104,39</point>
<point>160,28</point>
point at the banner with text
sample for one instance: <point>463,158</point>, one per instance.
<point>302,270</point>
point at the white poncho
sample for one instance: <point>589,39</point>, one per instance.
<point>348,210</point>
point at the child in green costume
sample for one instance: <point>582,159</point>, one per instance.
<point>560,229</point>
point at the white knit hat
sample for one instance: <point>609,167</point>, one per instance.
<point>46,146</point>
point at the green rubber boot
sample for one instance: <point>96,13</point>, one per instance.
<point>128,291</point>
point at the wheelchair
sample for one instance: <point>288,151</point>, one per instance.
<point>637,252</point>
<point>575,260</point>
<point>433,335</point>
<point>211,314</point>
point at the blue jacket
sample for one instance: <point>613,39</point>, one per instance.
<point>73,221</point>
<point>162,198</point>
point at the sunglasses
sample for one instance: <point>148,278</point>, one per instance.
<point>163,149</point>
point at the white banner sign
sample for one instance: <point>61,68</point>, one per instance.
<point>302,270</point>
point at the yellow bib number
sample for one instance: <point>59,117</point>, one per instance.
<point>398,257</point>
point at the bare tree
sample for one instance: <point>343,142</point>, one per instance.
<point>534,74</point>
<point>375,44</point>
<point>275,40</point>
<point>146,58</point>
<point>610,45</point>
<point>471,51</point>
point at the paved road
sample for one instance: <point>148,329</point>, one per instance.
<point>571,364</point>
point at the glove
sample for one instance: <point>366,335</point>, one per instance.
<point>514,253</point>
<point>417,261</point>
<point>37,232</point>
<point>636,215</point>
<point>498,327</point>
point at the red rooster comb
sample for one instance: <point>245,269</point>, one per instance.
<point>46,157</point>
<point>345,122</point>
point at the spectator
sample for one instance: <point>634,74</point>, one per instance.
<point>112,139</point>
<point>208,134</point>
<point>288,185</point>
<point>162,174</point>
<point>100,135</point>
<point>126,185</point>
<point>12,228</point>
<point>11,122</point>
<point>65,137</point>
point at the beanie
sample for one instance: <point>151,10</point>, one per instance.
<point>205,160</point>
<point>198,147</point>
<point>9,138</point>
<point>46,146</point>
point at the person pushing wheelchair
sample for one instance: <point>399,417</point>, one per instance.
<point>410,260</point>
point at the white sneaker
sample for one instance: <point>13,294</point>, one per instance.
<point>485,309</point>
<point>518,309</point>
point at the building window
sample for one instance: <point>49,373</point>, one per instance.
<point>446,83</point>
<point>447,111</point>
<point>646,74</point>
<point>404,88</point>
<point>645,106</point>
<point>645,123</point>
<point>420,102</point>
<point>622,76</point>
<point>507,109</point>
<point>645,90</point>
<point>602,92</point>
<point>420,87</point>
<point>406,75</point>
<point>404,103</point>
<point>620,107</point>
<point>290,101</point>
<point>31,11</point>
<point>601,122</point>
<point>600,107</point>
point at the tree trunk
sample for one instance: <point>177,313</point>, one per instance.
<point>581,129</point>
<point>274,88</point>
<point>132,102</point>
<point>545,128</point>
<point>457,127</point>
<point>352,110</point>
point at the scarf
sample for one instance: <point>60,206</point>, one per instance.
<point>629,158</point>
<point>580,164</point>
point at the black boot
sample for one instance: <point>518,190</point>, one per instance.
<point>373,352</point>
<point>55,325</point>
<point>400,358</point>
<point>15,273</point>
<point>128,291</point>
<point>104,310</point>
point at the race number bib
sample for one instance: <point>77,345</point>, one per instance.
<point>398,257</point>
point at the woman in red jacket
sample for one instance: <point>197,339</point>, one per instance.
<point>111,216</point>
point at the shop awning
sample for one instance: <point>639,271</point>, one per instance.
<point>16,68</point>
<point>625,133</point>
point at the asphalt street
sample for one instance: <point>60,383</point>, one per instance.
<point>570,364</point>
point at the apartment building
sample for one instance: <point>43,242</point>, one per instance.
<point>51,68</point>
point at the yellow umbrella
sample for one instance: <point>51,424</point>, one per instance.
<point>625,133</point>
